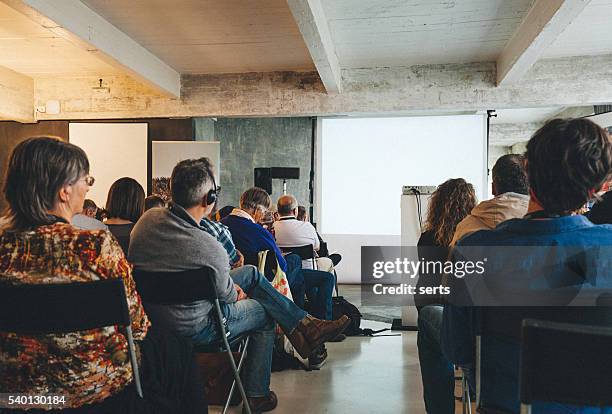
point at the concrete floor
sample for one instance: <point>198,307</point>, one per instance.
<point>362,375</point>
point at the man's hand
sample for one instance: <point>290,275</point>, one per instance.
<point>240,261</point>
<point>241,294</point>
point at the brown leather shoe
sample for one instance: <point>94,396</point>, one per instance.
<point>299,343</point>
<point>262,404</point>
<point>316,331</point>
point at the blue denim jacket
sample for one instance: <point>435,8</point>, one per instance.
<point>500,388</point>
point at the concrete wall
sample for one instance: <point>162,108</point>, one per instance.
<point>247,143</point>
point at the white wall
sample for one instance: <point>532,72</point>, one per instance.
<point>114,151</point>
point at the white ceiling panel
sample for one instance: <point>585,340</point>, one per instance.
<point>30,49</point>
<point>589,34</point>
<point>400,33</point>
<point>208,36</point>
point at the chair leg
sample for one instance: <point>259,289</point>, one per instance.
<point>231,357</point>
<point>243,348</point>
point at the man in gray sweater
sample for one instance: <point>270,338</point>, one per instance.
<point>170,239</point>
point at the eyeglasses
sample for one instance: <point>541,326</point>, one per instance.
<point>89,180</point>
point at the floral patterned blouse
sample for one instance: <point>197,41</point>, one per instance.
<point>88,366</point>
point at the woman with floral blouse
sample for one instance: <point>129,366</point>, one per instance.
<point>46,183</point>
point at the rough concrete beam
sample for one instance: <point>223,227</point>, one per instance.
<point>543,23</point>
<point>445,88</point>
<point>74,21</point>
<point>311,20</point>
<point>16,96</point>
<point>507,135</point>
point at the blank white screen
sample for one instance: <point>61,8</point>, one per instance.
<point>114,151</point>
<point>366,161</point>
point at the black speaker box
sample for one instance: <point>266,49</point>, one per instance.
<point>286,173</point>
<point>263,178</point>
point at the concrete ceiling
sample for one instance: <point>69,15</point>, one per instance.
<point>588,34</point>
<point>28,48</point>
<point>209,36</point>
<point>525,115</point>
<point>402,33</point>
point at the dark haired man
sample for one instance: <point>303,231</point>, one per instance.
<point>171,239</point>
<point>568,160</point>
<point>511,190</point>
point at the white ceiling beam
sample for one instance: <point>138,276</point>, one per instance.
<point>16,96</point>
<point>310,18</point>
<point>75,22</point>
<point>543,23</point>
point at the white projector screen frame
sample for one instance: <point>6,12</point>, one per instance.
<point>114,151</point>
<point>449,146</point>
<point>367,200</point>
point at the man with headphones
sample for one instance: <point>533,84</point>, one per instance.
<point>218,230</point>
<point>171,239</point>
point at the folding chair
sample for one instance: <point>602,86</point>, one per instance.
<point>506,323</point>
<point>67,307</point>
<point>565,363</point>
<point>307,252</point>
<point>174,288</point>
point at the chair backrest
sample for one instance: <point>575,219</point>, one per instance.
<point>62,308</point>
<point>499,333</point>
<point>566,363</point>
<point>306,252</point>
<point>172,288</point>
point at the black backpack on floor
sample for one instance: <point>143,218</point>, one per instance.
<point>341,306</point>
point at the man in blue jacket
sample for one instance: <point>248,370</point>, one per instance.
<point>567,162</point>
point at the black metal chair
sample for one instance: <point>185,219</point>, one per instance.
<point>174,288</point>
<point>565,363</point>
<point>505,323</point>
<point>67,307</point>
<point>307,252</point>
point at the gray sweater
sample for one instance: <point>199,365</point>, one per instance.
<point>169,239</point>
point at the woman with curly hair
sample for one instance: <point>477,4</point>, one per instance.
<point>449,204</point>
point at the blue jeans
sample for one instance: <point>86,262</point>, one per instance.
<point>319,289</point>
<point>436,371</point>
<point>318,286</point>
<point>256,314</point>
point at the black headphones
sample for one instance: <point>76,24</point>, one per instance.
<point>212,195</point>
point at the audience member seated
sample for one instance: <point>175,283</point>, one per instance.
<point>250,238</point>
<point>291,232</point>
<point>171,239</point>
<point>222,213</point>
<point>449,204</point>
<point>601,212</point>
<point>567,162</point>
<point>38,245</point>
<point>218,230</point>
<point>323,250</point>
<point>511,190</point>
<point>86,220</point>
<point>153,201</point>
<point>124,206</point>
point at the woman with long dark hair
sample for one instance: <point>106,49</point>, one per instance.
<point>124,206</point>
<point>39,245</point>
<point>449,204</point>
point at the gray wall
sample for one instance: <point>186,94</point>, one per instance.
<point>247,143</point>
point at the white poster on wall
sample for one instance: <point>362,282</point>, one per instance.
<point>166,154</point>
<point>114,151</point>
